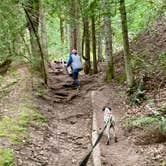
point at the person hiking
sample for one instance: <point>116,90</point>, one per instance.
<point>76,65</point>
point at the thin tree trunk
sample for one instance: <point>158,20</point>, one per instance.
<point>94,45</point>
<point>62,32</point>
<point>83,42</point>
<point>100,50</point>
<point>61,18</point>
<point>87,67</point>
<point>127,55</point>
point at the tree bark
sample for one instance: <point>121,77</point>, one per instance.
<point>33,10</point>
<point>94,45</point>
<point>75,27</point>
<point>87,68</point>
<point>108,38</point>
<point>43,30</point>
<point>127,55</point>
<point>100,50</point>
<point>62,32</point>
<point>32,13</point>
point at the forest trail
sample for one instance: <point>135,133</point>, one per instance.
<point>66,137</point>
<point>123,152</point>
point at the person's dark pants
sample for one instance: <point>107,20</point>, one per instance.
<point>75,77</point>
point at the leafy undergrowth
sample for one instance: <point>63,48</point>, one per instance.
<point>17,112</point>
<point>6,157</point>
<point>150,120</point>
<point>15,130</point>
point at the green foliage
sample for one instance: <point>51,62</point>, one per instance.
<point>6,157</point>
<point>10,28</point>
<point>121,78</point>
<point>150,123</point>
<point>142,122</point>
<point>138,63</point>
<point>54,40</point>
<point>163,163</point>
<point>140,15</point>
<point>136,93</point>
<point>16,129</point>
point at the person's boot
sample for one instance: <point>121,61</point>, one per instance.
<point>78,84</point>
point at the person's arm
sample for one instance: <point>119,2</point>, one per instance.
<point>69,61</point>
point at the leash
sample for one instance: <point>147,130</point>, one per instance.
<point>85,160</point>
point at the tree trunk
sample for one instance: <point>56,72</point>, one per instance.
<point>75,26</point>
<point>32,13</point>
<point>62,32</point>
<point>108,38</point>
<point>100,50</point>
<point>87,68</point>
<point>43,30</point>
<point>94,45</point>
<point>127,55</point>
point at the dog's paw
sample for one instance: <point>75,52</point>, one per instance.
<point>108,142</point>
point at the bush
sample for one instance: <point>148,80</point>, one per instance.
<point>6,157</point>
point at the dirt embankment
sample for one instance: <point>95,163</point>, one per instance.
<point>151,42</point>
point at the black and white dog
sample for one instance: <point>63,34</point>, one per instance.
<point>109,119</point>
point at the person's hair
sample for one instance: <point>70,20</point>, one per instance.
<point>74,51</point>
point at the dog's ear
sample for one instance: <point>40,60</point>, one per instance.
<point>109,108</point>
<point>104,108</point>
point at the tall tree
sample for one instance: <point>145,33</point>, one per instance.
<point>32,13</point>
<point>87,68</point>
<point>94,41</point>
<point>108,38</point>
<point>75,37</point>
<point>62,30</point>
<point>43,29</point>
<point>127,55</point>
<point>32,8</point>
<point>100,48</point>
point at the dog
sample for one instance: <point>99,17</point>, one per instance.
<point>109,119</point>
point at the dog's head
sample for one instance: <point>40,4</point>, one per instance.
<point>107,108</point>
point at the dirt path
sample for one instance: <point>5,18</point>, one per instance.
<point>66,138</point>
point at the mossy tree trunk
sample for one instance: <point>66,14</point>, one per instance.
<point>43,30</point>
<point>127,55</point>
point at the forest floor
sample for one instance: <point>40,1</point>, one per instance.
<point>64,138</point>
